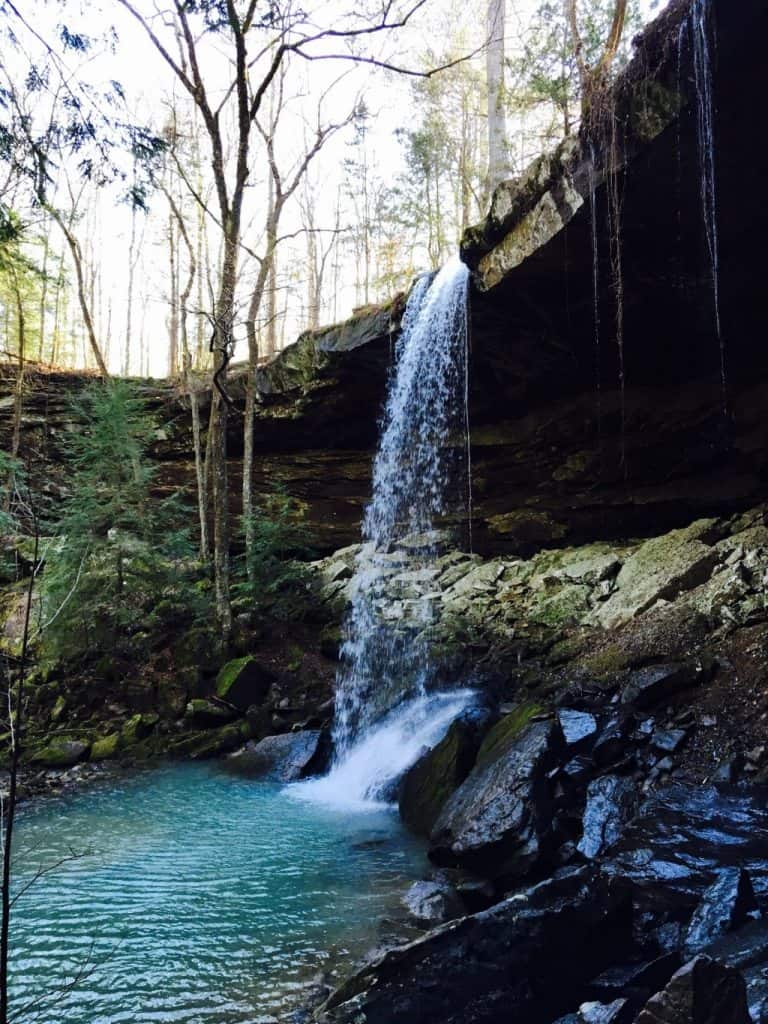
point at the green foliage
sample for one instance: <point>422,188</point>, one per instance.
<point>120,561</point>
<point>546,73</point>
<point>271,578</point>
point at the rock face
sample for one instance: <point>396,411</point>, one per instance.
<point>702,992</point>
<point>562,453</point>
<point>497,821</point>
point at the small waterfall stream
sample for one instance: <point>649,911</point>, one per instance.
<point>701,29</point>
<point>385,713</point>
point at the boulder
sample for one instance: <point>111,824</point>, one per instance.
<point>60,753</point>
<point>725,906</point>
<point>137,728</point>
<point>617,1012</point>
<point>433,902</point>
<point>498,822</point>
<point>611,744</point>
<point>211,742</point>
<point>636,981</point>
<point>525,959</point>
<point>660,569</point>
<point>650,686</point>
<point>284,758</point>
<point>243,682</point>
<point>203,713</point>
<point>611,802</point>
<point>105,747</point>
<point>747,947</point>
<point>579,728</point>
<point>702,992</point>
<point>432,780</point>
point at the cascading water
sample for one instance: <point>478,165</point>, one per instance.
<point>385,715</point>
<point>700,18</point>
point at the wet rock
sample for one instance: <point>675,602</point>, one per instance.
<point>744,948</point>
<point>757,993</point>
<point>669,741</point>
<point>285,758</point>
<point>497,823</point>
<point>650,686</point>
<point>432,780</point>
<point>611,803</point>
<point>498,964</point>
<point>243,682</point>
<point>576,771</point>
<point>579,727</point>
<point>611,744</point>
<point>635,980</point>
<point>701,992</point>
<point>724,907</point>
<point>617,1012</point>
<point>434,902</point>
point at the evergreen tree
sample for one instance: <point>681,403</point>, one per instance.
<point>119,551</point>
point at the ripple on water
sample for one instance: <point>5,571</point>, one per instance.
<point>202,898</point>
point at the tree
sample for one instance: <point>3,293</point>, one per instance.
<point>594,69</point>
<point>497,122</point>
<point>59,132</point>
<point>10,470</point>
<point>261,45</point>
<point>117,549</point>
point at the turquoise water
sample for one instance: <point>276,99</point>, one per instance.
<point>202,898</point>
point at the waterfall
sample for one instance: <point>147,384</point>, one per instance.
<point>705,130</point>
<point>385,714</point>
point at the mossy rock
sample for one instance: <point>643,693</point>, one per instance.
<point>606,664</point>
<point>204,713</point>
<point>506,731</point>
<point>138,728</point>
<point>105,747</point>
<point>200,745</point>
<point>60,753</point>
<point>243,682</point>
<point>567,607</point>
<point>58,709</point>
<point>330,642</point>
<point>431,781</point>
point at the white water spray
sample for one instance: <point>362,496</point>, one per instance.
<point>385,716</point>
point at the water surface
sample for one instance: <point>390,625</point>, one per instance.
<point>203,898</point>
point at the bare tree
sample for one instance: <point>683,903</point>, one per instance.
<point>497,122</point>
<point>259,46</point>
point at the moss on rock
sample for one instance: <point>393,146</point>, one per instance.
<point>505,732</point>
<point>106,747</point>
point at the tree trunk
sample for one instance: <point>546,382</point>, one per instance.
<point>494,65</point>
<point>77,259</point>
<point>43,301</point>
